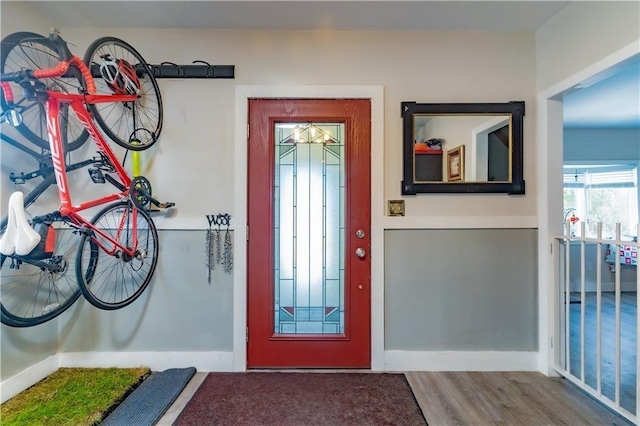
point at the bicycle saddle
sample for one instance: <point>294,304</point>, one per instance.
<point>19,237</point>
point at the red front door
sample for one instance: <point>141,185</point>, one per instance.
<point>309,214</point>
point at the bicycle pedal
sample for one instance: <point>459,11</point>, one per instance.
<point>166,205</point>
<point>96,175</point>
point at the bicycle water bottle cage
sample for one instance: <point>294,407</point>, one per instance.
<point>120,76</point>
<point>34,90</point>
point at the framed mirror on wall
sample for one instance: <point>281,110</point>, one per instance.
<point>462,147</point>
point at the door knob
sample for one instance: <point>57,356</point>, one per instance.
<point>360,252</point>
<point>360,233</point>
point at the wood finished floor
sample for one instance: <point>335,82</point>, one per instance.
<point>628,325</point>
<point>505,398</point>
<point>522,398</point>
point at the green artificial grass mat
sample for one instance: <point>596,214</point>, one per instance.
<point>72,396</point>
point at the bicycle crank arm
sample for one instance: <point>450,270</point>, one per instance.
<point>115,183</point>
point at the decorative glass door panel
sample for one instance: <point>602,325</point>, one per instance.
<point>309,228</point>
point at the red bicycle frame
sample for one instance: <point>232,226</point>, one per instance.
<point>77,103</point>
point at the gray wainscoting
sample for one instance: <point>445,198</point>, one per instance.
<point>462,289</point>
<point>180,311</point>
<point>25,347</point>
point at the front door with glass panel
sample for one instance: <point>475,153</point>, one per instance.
<point>309,214</point>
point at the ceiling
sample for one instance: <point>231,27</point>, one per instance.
<point>305,15</point>
<point>613,101</point>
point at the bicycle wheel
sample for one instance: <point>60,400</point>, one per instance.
<point>34,291</point>
<point>132,125</point>
<point>25,50</point>
<point>118,279</point>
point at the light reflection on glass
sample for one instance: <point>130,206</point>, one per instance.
<point>309,228</point>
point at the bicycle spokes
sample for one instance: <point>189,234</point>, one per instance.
<point>122,276</point>
<point>35,291</point>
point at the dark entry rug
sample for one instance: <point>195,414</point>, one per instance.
<point>302,399</point>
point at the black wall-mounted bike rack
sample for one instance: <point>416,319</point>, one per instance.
<point>199,69</point>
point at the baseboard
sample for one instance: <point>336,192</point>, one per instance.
<point>223,361</point>
<point>156,361</point>
<point>27,378</point>
<point>460,361</point>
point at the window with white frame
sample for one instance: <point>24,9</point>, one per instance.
<point>606,193</point>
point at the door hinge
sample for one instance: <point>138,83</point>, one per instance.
<point>248,131</point>
<point>551,342</point>
<point>550,248</point>
<point>247,335</point>
<point>247,232</point>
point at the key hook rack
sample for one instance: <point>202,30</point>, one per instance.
<point>221,219</point>
<point>215,253</point>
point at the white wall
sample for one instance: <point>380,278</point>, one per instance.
<point>197,139</point>
<point>583,39</point>
<point>20,16</point>
<point>581,34</point>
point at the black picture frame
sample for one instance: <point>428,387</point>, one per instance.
<point>412,186</point>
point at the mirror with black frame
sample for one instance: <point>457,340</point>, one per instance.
<point>462,147</point>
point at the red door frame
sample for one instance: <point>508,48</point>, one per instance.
<point>264,348</point>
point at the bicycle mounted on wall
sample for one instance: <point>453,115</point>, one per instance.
<point>124,101</point>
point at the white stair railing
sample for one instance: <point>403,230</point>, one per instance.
<point>583,330</point>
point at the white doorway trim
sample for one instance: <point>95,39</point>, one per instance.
<point>550,202</point>
<point>479,169</point>
<point>242,96</point>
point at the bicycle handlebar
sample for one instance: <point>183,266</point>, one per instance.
<point>17,76</point>
<point>66,58</point>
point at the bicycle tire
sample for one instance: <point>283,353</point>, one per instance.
<point>117,280</point>
<point>33,294</point>
<point>132,125</point>
<point>27,50</point>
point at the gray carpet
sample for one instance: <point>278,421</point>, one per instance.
<point>147,404</point>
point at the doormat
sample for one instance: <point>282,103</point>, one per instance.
<point>302,399</point>
<point>148,403</point>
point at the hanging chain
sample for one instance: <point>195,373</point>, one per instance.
<point>218,247</point>
<point>215,253</point>
<point>227,261</point>
<point>209,249</point>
